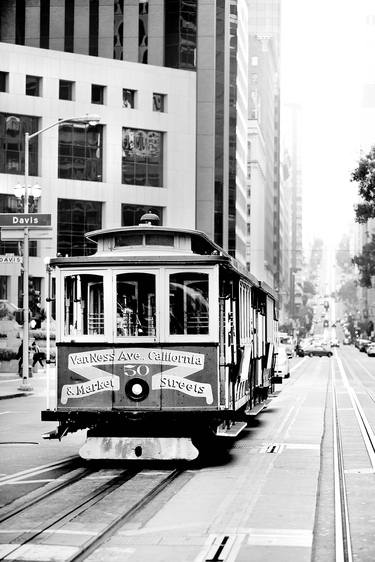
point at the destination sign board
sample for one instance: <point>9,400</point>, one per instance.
<point>31,220</point>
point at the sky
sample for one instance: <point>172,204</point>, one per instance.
<point>325,60</point>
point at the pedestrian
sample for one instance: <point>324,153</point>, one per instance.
<point>20,358</point>
<point>37,354</point>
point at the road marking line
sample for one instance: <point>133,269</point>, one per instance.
<point>280,537</point>
<point>37,552</point>
<point>35,471</point>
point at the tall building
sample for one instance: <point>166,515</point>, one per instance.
<point>292,130</point>
<point>168,79</point>
<point>263,242</point>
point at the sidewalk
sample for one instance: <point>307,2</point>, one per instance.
<point>10,384</point>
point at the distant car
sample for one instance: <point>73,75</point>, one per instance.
<point>346,341</point>
<point>317,350</point>
<point>371,350</point>
<point>335,342</point>
<point>363,344</point>
<point>282,363</point>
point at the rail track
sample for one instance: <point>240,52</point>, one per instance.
<point>346,533</point>
<point>86,507</point>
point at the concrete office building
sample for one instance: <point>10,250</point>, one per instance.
<point>263,240</point>
<point>168,79</point>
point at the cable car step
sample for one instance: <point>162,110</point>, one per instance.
<point>258,408</point>
<point>234,430</point>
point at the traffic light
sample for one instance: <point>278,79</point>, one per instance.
<point>325,324</point>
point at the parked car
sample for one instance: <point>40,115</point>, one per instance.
<point>282,363</point>
<point>371,350</point>
<point>317,350</point>
<point>363,344</point>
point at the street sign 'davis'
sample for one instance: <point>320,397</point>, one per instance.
<point>25,219</point>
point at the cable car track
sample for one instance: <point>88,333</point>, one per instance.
<point>343,535</point>
<point>84,507</point>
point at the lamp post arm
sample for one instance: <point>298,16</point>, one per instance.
<point>67,120</point>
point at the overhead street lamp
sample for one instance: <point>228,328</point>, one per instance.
<point>88,120</point>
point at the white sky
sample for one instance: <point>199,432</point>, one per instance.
<point>324,62</point>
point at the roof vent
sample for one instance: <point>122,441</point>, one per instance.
<point>149,218</point>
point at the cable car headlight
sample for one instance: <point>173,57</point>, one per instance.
<point>137,389</point>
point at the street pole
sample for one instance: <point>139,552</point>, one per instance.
<point>89,120</point>
<point>25,356</point>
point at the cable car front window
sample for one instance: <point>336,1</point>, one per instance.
<point>135,297</point>
<point>84,305</point>
<point>188,303</point>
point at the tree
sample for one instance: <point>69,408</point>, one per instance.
<point>348,294</point>
<point>364,174</point>
<point>366,263</point>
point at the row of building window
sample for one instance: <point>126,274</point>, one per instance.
<point>74,219</point>
<point>33,87</point>
<point>80,151</point>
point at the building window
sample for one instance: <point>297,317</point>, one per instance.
<point>4,81</point>
<point>118,30</point>
<point>158,102</point>
<point>97,94</point>
<point>3,287</point>
<point>180,33</point>
<point>128,98</point>
<point>142,157</point>
<point>69,27</point>
<point>44,24</point>
<point>74,219</point>
<point>143,32</point>
<point>20,21</point>
<point>66,90</point>
<point>80,152</point>
<point>33,84</point>
<point>10,204</point>
<point>94,28</point>
<point>12,144</point>
<point>131,214</point>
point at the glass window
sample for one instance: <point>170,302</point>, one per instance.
<point>128,98</point>
<point>12,141</point>
<point>143,32</point>
<point>131,214</point>
<point>74,219</point>
<point>4,81</point>
<point>66,90</point>
<point>118,29</point>
<point>84,305</point>
<point>80,152</point>
<point>188,303</point>
<point>33,85</point>
<point>97,94</point>
<point>135,305</point>
<point>158,102</point>
<point>10,204</point>
<point>142,157</point>
<point>4,287</point>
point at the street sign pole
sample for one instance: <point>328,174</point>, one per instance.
<point>25,357</point>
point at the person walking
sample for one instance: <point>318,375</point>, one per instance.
<point>37,354</point>
<point>19,356</point>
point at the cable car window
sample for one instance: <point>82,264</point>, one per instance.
<point>83,305</point>
<point>159,240</point>
<point>136,311</point>
<point>129,240</point>
<point>188,303</point>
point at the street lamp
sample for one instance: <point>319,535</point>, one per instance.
<point>88,120</point>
